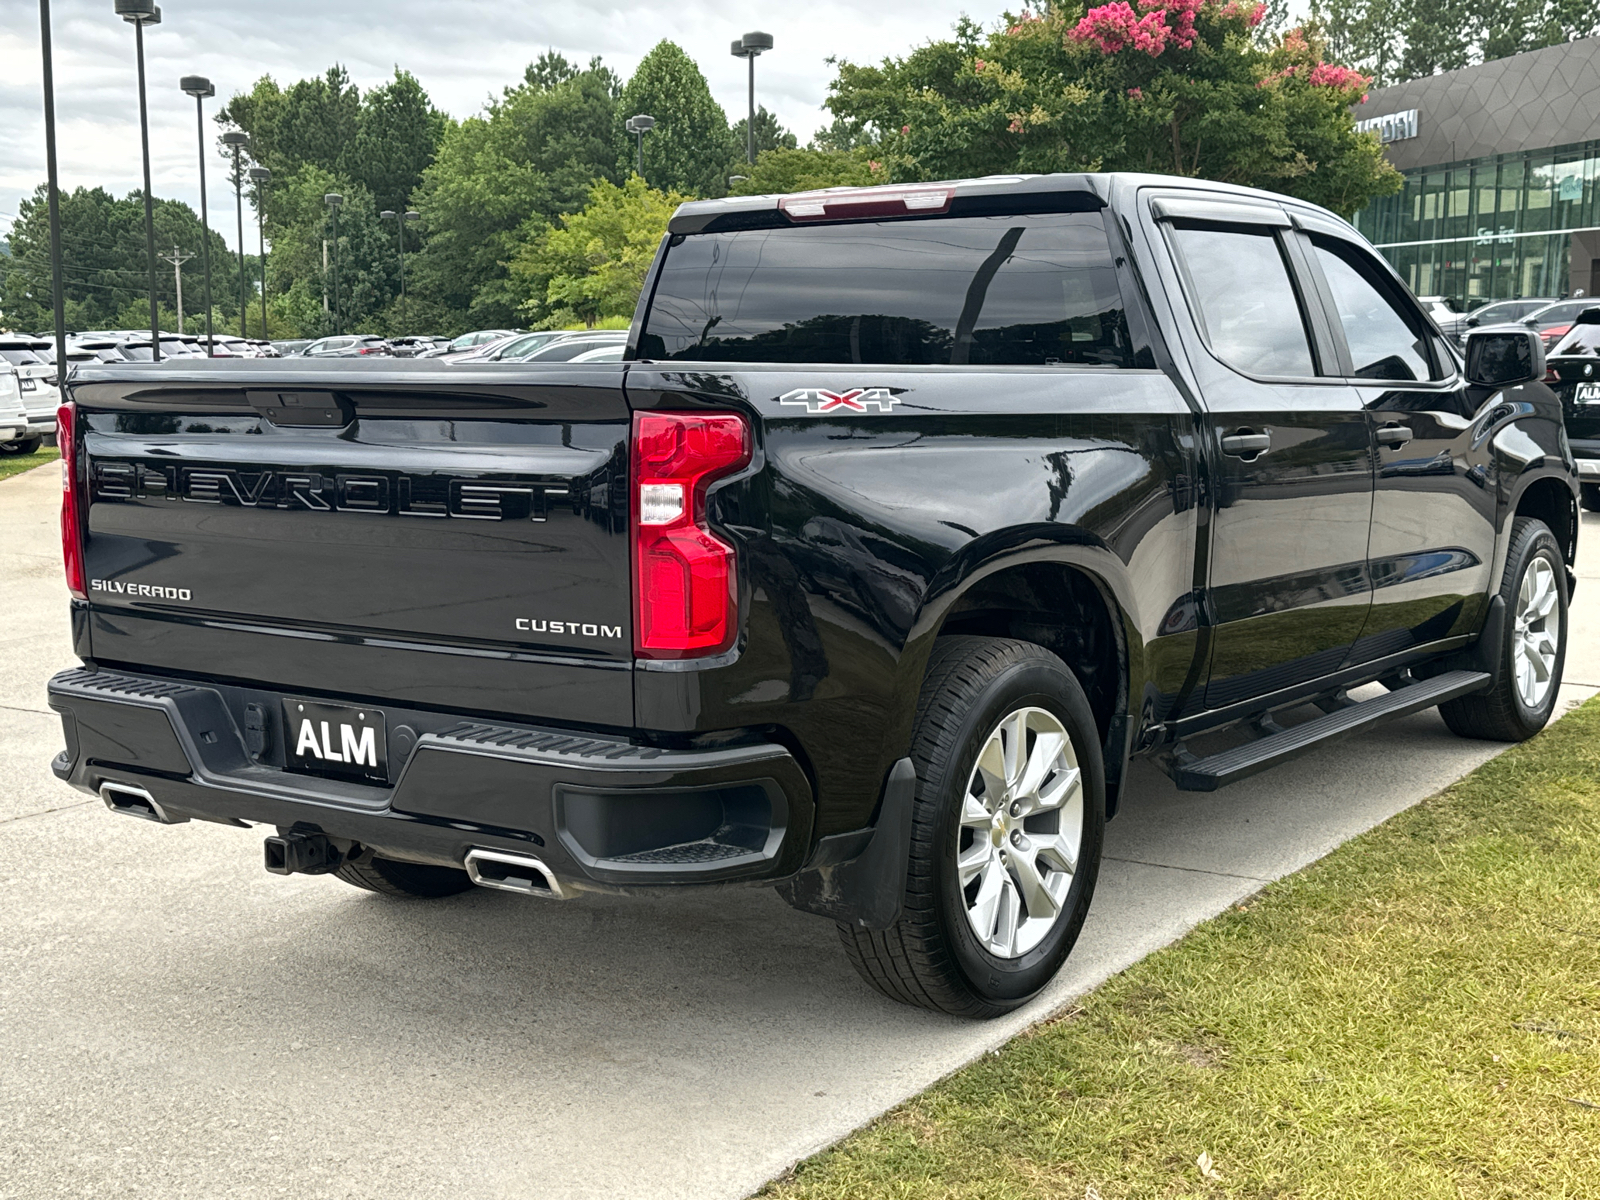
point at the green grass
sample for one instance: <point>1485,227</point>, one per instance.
<point>16,464</point>
<point>1417,1015</point>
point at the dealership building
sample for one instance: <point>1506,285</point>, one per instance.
<point>1502,177</point>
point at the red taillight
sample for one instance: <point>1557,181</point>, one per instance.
<point>71,501</point>
<point>684,587</point>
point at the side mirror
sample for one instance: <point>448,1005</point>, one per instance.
<point>1473,322</point>
<point>1504,357</point>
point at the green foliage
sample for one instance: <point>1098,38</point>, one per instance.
<point>592,267</point>
<point>691,149</point>
<point>780,171</point>
<point>770,135</point>
<point>1397,40</point>
<point>1040,96</point>
<point>104,262</point>
<point>500,179</point>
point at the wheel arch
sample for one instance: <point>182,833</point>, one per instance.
<point>1550,498</point>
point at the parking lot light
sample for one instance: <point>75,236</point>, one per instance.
<point>333,200</point>
<point>639,126</point>
<point>53,193</point>
<point>262,177</point>
<point>237,139</point>
<point>750,47</point>
<point>140,13</point>
<point>201,89</point>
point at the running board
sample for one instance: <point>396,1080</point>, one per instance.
<point>1208,774</point>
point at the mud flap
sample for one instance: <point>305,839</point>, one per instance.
<point>859,878</point>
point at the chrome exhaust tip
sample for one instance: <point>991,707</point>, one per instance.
<point>508,872</point>
<point>134,801</point>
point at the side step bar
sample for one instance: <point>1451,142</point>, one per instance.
<point>1208,774</point>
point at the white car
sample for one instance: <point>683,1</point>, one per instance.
<point>603,354</point>
<point>14,437</point>
<point>30,361</point>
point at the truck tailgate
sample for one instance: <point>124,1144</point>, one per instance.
<point>445,536</point>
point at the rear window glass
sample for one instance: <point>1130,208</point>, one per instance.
<point>1030,290</point>
<point>20,358</point>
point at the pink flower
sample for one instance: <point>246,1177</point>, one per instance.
<point>1340,78</point>
<point>1115,26</point>
<point>978,64</point>
<point>905,129</point>
<point>1015,126</point>
<point>1136,93</point>
<point>874,165</point>
<point>1257,15</point>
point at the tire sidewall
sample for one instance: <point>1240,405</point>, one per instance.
<point>1539,543</point>
<point>1039,684</point>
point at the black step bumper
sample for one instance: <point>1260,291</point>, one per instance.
<point>601,813</point>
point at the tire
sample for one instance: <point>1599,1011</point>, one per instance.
<point>1589,497</point>
<point>934,957</point>
<point>1506,712</point>
<point>390,877</point>
<point>22,446</point>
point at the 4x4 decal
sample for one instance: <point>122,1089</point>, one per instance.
<point>820,400</point>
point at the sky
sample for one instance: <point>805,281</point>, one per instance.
<point>462,51</point>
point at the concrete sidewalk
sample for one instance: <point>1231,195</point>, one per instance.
<point>178,1023</point>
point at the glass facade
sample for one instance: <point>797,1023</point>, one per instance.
<point>1494,228</point>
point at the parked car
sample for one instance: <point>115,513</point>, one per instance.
<point>468,341</point>
<point>611,353</point>
<point>292,346</point>
<point>866,579</point>
<point>1553,320</point>
<point>1498,312</point>
<point>32,362</point>
<point>1574,365</point>
<point>1440,308</point>
<point>15,435</point>
<point>568,349</point>
<point>138,349</point>
<point>413,345</point>
<point>511,349</point>
<point>348,346</point>
<point>101,349</point>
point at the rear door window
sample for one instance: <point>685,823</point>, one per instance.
<point>1014,290</point>
<point>1244,300</point>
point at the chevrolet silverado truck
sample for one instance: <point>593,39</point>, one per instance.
<point>911,517</point>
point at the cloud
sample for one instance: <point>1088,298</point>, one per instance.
<point>463,52</point>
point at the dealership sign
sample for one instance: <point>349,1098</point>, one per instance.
<point>1393,127</point>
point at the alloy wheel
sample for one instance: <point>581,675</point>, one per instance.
<point>1021,825</point>
<point>1536,633</point>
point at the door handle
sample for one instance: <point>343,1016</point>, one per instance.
<point>1393,435</point>
<point>1247,443</point>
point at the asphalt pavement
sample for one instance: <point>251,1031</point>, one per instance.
<point>175,1022</point>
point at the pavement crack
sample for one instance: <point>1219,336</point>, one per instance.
<point>1139,862</point>
<point>43,712</point>
<point>45,812</point>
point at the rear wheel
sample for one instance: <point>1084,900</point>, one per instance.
<point>1006,835</point>
<point>22,446</point>
<point>1533,647</point>
<point>391,877</point>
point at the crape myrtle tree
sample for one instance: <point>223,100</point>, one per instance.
<point>692,148</point>
<point>499,181</point>
<point>1188,88</point>
<point>105,274</point>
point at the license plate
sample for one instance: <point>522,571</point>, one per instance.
<point>336,741</point>
<point>1589,393</point>
<point>29,385</point>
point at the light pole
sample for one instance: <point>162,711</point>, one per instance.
<point>400,220</point>
<point>200,88</point>
<point>140,13</point>
<point>238,140</point>
<point>57,295</point>
<point>639,126</point>
<point>750,47</point>
<point>333,200</point>
<point>262,177</point>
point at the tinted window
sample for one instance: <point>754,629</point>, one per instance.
<point>1247,305</point>
<point>1027,290</point>
<point>20,358</point>
<point>1386,341</point>
<point>569,350</point>
<point>1562,314</point>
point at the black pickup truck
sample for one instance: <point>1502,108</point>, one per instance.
<point>911,517</point>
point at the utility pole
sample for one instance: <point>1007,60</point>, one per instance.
<point>177,259</point>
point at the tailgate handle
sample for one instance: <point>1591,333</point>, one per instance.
<point>286,406</point>
<point>1247,443</point>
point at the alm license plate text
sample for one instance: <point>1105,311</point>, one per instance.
<point>1589,393</point>
<point>335,740</point>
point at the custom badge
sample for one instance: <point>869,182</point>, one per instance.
<point>854,400</point>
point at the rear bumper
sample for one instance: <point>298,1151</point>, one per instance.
<point>601,813</point>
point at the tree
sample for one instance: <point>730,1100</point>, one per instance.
<point>398,132</point>
<point>1186,88</point>
<point>593,266</point>
<point>770,135</point>
<point>691,149</point>
<point>500,179</point>
<point>1396,40</point>
<point>779,171</point>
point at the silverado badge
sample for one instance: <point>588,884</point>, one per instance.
<point>820,400</point>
